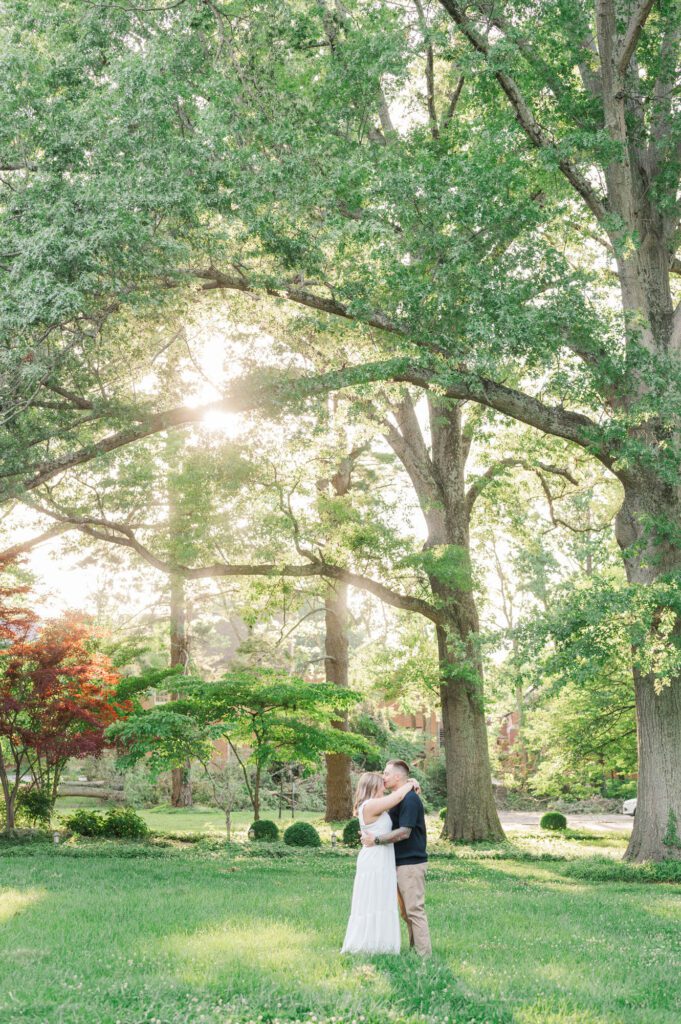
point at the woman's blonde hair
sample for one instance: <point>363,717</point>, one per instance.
<point>370,784</point>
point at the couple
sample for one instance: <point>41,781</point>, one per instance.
<point>391,866</point>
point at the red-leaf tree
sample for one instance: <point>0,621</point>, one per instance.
<point>57,696</point>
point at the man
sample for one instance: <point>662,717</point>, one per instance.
<point>409,837</point>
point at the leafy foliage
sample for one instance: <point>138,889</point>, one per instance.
<point>263,829</point>
<point>553,821</point>
<point>36,805</point>
<point>117,823</point>
<point>57,697</point>
<point>351,833</point>
<point>279,717</point>
<point>301,833</point>
<point>124,823</point>
<point>84,822</point>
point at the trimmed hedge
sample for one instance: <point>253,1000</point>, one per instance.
<point>351,833</point>
<point>264,830</point>
<point>302,834</point>
<point>554,821</point>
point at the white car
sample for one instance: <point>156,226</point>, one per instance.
<point>629,807</point>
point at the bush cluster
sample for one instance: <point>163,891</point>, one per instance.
<point>554,821</point>
<point>351,833</point>
<point>117,823</point>
<point>302,834</point>
<point>264,830</point>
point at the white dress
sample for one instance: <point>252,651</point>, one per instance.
<point>374,925</point>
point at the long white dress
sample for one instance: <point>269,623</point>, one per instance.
<point>374,925</point>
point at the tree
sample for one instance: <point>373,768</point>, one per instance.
<point>265,717</point>
<point>440,238</point>
<point>436,466</point>
<point>582,736</point>
<point>621,108</point>
<point>581,725</point>
<point>57,697</point>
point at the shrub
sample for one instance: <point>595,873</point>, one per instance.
<point>302,834</point>
<point>124,823</point>
<point>264,830</point>
<point>85,823</point>
<point>554,821</point>
<point>435,780</point>
<point>351,833</point>
<point>36,806</point>
<point>443,814</point>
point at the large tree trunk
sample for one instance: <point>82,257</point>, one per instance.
<point>471,811</point>
<point>657,824</point>
<point>438,477</point>
<point>648,522</point>
<point>338,783</point>
<point>181,787</point>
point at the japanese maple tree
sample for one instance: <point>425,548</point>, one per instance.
<point>57,696</point>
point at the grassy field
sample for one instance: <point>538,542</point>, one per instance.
<point>164,933</point>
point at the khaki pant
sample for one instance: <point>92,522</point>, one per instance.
<point>411,895</point>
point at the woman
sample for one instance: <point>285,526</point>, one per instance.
<point>374,925</point>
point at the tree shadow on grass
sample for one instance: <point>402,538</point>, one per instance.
<point>430,987</point>
<point>584,951</point>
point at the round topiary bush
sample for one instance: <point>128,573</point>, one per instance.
<point>554,821</point>
<point>264,830</point>
<point>85,823</point>
<point>351,833</point>
<point>124,823</point>
<point>302,834</point>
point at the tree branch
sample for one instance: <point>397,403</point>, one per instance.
<point>557,520</point>
<point>33,542</point>
<point>77,400</point>
<point>526,119</point>
<point>216,279</point>
<point>124,536</point>
<point>631,37</point>
<point>478,486</point>
<point>451,109</point>
<point>409,446</point>
<point>271,397</point>
<point>430,71</point>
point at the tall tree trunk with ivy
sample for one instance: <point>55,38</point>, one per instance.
<point>437,472</point>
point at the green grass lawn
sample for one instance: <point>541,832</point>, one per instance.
<point>122,933</point>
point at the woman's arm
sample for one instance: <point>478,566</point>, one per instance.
<point>378,804</point>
